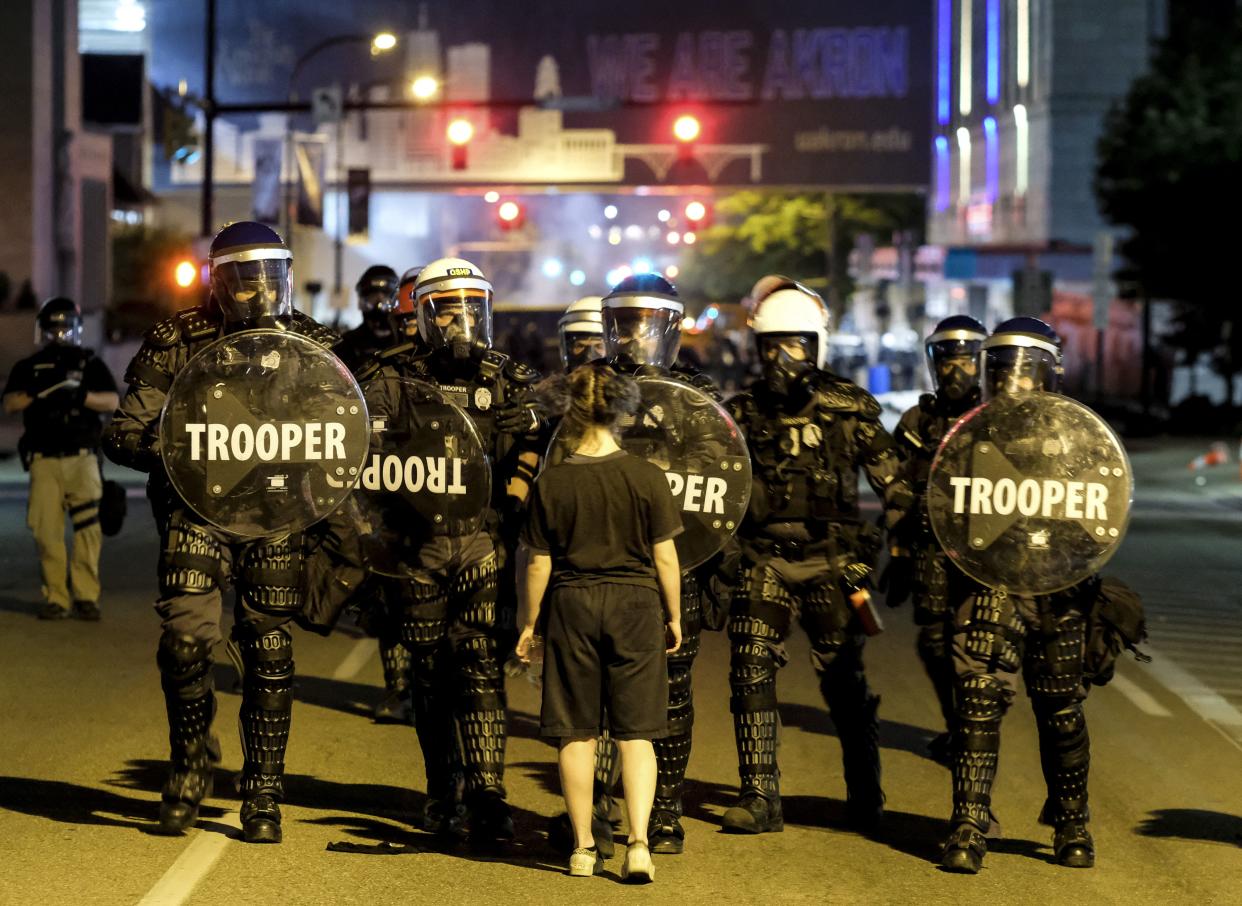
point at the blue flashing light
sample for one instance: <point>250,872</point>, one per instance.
<point>577,277</point>
<point>944,177</point>
<point>994,51</point>
<point>552,267</point>
<point>944,60</point>
<point>992,162</point>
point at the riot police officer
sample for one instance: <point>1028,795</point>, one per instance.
<point>917,564</point>
<point>251,287</point>
<point>806,553</point>
<point>376,288</point>
<point>642,336</point>
<point>62,392</point>
<point>995,634</point>
<point>377,291</point>
<point>581,332</point>
<point>448,610</point>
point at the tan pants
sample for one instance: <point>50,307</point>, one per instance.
<point>58,485</point>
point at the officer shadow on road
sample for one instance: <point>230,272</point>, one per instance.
<point>71,803</point>
<point>1193,824</point>
<point>893,734</point>
<point>17,605</point>
<point>919,836</point>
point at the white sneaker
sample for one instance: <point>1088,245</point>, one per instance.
<point>637,868</point>
<point>585,862</point>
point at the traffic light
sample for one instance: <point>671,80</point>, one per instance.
<point>686,129</point>
<point>696,214</point>
<point>510,215</point>
<point>459,133</point>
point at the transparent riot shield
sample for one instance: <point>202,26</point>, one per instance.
<point>1030,494</point>
<point>685,432</point>
<point>263,433</point>
<point>425,477</point>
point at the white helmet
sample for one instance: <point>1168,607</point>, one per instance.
<point>454,301</point>
<point>581,331</point>
<point>792,309</point>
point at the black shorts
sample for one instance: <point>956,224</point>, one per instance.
<point>605,657</point>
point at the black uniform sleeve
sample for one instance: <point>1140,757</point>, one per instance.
<point>665,514</point>
<point>132,437</point>
<point>536,533</point>
<point>96,378</point>
<point>19,378</point>
<point>882,465</point>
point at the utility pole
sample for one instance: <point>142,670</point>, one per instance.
<point>207,226</point>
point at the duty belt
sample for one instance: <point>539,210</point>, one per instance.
<point>84,451</point>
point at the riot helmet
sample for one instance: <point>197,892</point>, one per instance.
<point>59,323</point>
<point>791,326</point>
<point>953,356</point>
<point>454,304</point>
<point>375,288</point>
<point>581,331</point>
<point>767,284</point>
<point>642,321</point>
<point>1022,355</point>
<point>402,310</point>
<point>251,275</point>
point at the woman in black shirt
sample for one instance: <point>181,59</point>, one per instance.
<point>600,533</point>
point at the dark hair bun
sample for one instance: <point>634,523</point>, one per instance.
<point>592,395</point>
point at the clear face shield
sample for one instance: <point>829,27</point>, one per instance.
<point>458,319</point>
<point>1019,369</point>
<point>66,334</point>
<point>579,347</point>
<point>374,305</point>
<point>954,366</point>
<point>644,336</point>
<point>785,359</point>
<point>253,293</point>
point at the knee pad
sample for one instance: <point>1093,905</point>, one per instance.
<point>192,561</point>
<point>980,698</point>
<point>473,595</point>
<point>185,663</point>
<point>421,613</point>
<point>752,677</point>
<point>268,682</point>
<point>270,579</point>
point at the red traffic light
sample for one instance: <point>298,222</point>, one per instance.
<point>686,128</point>
<point>510,215</point>
<point>460,131</point>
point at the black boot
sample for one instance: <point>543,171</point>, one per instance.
<point>266,709</point>
<point>185,675</point>
<point>1073,845</point>
<point>964,850</point>
<point>754,813</point>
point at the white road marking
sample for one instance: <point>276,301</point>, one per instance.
<point>1139,697</point>
<point>1205,702</point>
<point>205,849</point>
<point>363,651</point>
<point>195,861</point>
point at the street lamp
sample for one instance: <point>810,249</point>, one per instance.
<point>424,88</point>
<point>379,43</point>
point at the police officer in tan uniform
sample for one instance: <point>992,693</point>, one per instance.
<point>62,392</point>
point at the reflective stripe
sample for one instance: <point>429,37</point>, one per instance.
<point>260,253</point>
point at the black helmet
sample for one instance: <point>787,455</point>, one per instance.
<point>642,321</point>
<point>376,288</point>
<point>59,322</point>
<point>251,275</point>
<point>1021,355</point>
<point>953,355</point>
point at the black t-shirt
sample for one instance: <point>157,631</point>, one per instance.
<point>599,518</point>
<point>60,422</point>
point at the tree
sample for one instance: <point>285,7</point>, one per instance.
<point>757,233</point>
<point>1169,168</point>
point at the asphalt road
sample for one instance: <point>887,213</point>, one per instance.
<point>82,743</point>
